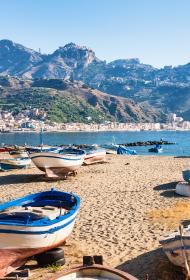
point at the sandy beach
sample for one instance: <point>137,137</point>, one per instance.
<point>119,215</point>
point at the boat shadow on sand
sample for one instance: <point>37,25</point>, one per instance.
<point>153,264</point>
<point>168,190</point>
<point>25,178</point>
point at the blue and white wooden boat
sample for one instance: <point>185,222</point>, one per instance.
<point>110,148</point>
<point>93,272</point>
<point>176,246</point>
<point>156,149</point>
<point>18,154</point>
<point>118,149</point>
<point>60,163</point>
<point>183,188</point>
<point>14,163</point>
<point>186,175</point>
<point>94,154</point>
<point>34,224</point>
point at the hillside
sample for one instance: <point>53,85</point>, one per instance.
<point>68,101</point>
<point>163,90</point>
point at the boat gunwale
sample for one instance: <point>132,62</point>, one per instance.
<point>115,271</point>
<point>67,155</point>
<point>40,223</point>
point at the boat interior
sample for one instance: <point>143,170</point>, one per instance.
<point>32,213</point>
<point>44,208</point>
<point>90,274</point>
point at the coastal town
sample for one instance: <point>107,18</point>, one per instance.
<point>34,119</point>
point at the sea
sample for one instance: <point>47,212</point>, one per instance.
<point>180,138</point>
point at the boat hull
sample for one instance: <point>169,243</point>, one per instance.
<point>95,157</point>
<point>22,242</point>
<point>183,188</point>
<point>56,165</point>
<point>173,249</point>
<point>9,164</point>
<point>11,259</point>
<point>16,154</point>
<point>34,224</point>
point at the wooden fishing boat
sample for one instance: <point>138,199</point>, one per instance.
<point>59,163</point>
<point>14,163</point>
<point>93,271</point>
<point>110,148</point>
<point>4,149</point>
<point>183,188</point>
<point>186,175</point>
<point>94,155</point>
<point>18,154</point>
<point>177,247</point>
<point>34,224</point>
<point>156,149</point>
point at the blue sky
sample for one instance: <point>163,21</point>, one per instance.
<point>156,31</point>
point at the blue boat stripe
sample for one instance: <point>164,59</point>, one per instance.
<point>55,157</point>
<point>52,230</point>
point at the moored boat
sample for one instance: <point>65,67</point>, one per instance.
<point>14,163</point>
<point>18,154</point>
<point>93,271</point>
<point>156,149</point>
<point>3,149</point>
<point>34,224</point>
<point>110,148</point>
<point>183,188</point>
<point>186,175</point>
<point>60,163</point>
<point>94,155</point>
<point>176,246</point>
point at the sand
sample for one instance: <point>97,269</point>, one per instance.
<point>121,205</point>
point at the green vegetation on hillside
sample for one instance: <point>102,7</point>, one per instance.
<point>59,108</point>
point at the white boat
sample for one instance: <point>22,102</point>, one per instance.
<point>92,272</point>
<point>94,155</point>
<point>60,163</point>
<point>183,188</point>
<point>177,247</point>
<point>18,154</point>
<point>34,224</point>
<point>110,148</point>
<point>14,163</point>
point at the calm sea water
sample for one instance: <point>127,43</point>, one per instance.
<point>181,148</point>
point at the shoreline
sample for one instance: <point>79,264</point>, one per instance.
<point>91,131</point>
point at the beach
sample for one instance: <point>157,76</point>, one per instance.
<point>119,214</point>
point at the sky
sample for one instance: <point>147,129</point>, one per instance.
<point>155,31</point>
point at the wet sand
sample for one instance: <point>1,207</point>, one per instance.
<point>116,201</point>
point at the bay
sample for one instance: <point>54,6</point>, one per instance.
<point>181,138</point>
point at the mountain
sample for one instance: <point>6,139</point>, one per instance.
<point>68,101</point>
<point>164,90</point>
<point>16,59</point>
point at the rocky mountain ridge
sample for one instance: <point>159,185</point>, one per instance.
<point>165,90</point>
